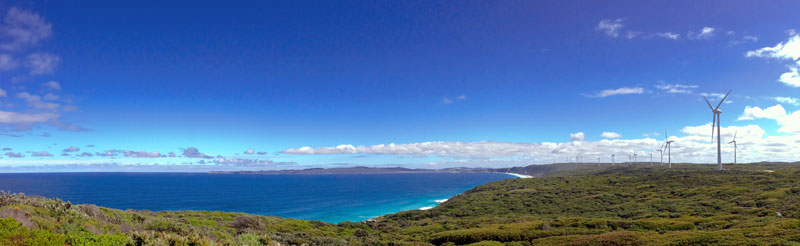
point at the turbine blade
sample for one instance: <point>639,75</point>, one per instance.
<point>723,99</point>
<point>709,103</point>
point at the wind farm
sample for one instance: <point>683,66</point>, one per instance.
<point>399,123</point>
<point>666,146</point>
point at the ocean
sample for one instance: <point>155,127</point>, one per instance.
<point>327,197</point>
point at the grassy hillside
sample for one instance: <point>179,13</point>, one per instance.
<point>587,205</point>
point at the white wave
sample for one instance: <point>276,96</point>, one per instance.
<point>426,208</point>
<point>441,200</point>
<point>522,176</point>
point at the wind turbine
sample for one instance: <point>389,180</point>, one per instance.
<point>668,147</point>
<point>634,155</point>
<point>661,152</point>
<point>717,120</point>
<point>612,160</point>
<point>651,158</point>
<point>735,147</point>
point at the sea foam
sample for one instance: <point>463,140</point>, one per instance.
<point>437,204</point>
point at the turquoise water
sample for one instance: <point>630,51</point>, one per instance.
<point>327,197</point>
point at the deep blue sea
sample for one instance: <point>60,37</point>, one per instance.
<point>327,197</point>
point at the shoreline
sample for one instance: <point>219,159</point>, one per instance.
<point>440,201</point>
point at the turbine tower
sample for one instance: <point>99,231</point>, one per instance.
<point>612,160</point>
<point>735,147</point>
<point>717,120</point>
<point>661,153</point>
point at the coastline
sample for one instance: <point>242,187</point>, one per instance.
<point>440,201</point>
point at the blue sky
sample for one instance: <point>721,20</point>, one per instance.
<point>466,83</point>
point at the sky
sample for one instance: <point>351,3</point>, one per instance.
<point>160,86</point>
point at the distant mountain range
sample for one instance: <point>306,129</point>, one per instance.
<point>531,170</point>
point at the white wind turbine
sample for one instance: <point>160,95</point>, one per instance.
<point>612,160</point>
<point>735,147</point>
<point>668,147</point>
<point>661,153</point>
<point>716,120</point>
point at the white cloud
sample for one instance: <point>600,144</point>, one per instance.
<point>651,134</point>
<point>50,97</point>
<point>142,154</point>
<point>789,50</point>
<point>610,27</point>
<point>610,135</point>
<point>23,118</point>
<point>705,33</point>
<point>21,29</point>
<point>36,101</point>
<point>692,146</point>
<point>788,122</point>
<point>249,151</point>
<point>7,62</point>
<point>745,39</point>
<point>792,77</point>
<point>774,112</point>
<point>72,149</point>
<point>578,136</point>
<point>619,91</point>
<point>669,35</point>
<point>717,95</point>
<point>632,34</point>
<point>52,85</point>
<point>791,32</point>
<point>788,100</point>
<point>242,161</point>
<point>42,63</point>
<point>3,93</point>
<point>676,88</point>
<point>447,100</point>
<point>41,154</point>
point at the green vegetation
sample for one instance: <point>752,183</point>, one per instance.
<point>571,205</point>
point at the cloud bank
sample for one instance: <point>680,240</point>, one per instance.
<point>693,146</point>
